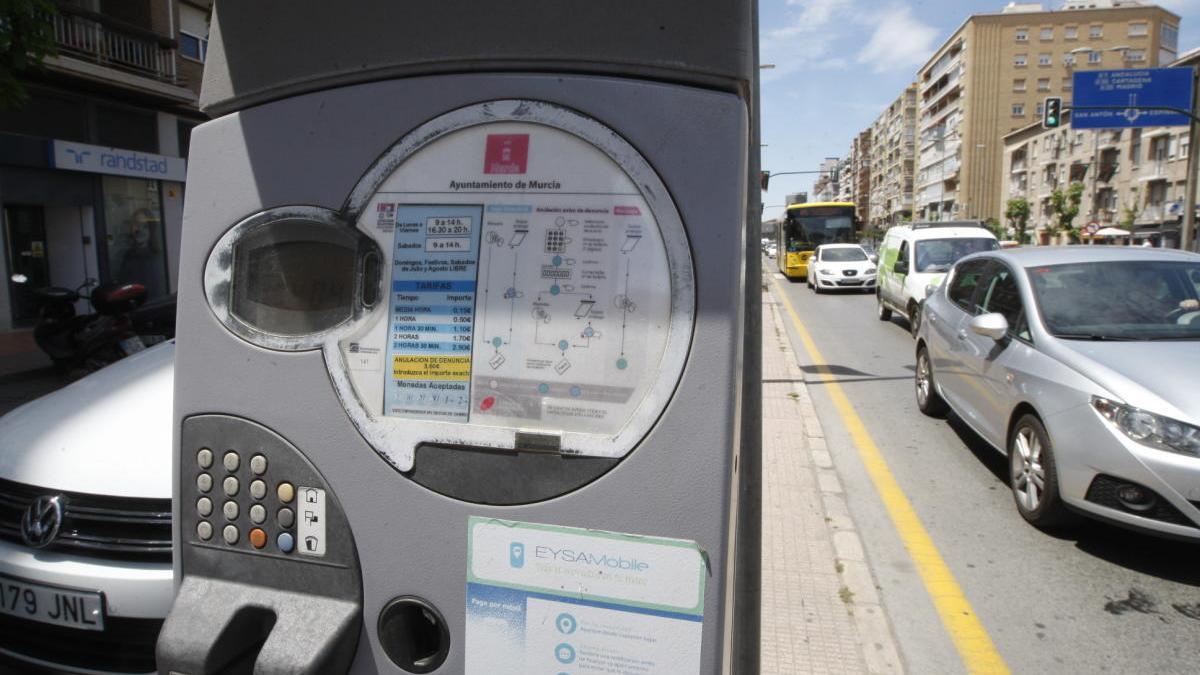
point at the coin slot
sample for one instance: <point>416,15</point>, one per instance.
<point>414,635</point>
<point>242,640</point>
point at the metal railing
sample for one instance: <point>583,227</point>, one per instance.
<point>91,40</point>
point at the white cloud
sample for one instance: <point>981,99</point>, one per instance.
<point>808,37</point>
<point>899,41</point>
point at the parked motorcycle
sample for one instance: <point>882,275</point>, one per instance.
<point>121,324</point>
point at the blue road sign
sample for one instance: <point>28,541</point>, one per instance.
<point>1122,92</point>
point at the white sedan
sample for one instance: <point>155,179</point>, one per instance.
<point>85,520</point>
<point>841,267</point>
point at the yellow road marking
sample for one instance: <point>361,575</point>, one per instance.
<point>974,645</point>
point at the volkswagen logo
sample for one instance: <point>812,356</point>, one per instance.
<point>39,525</point>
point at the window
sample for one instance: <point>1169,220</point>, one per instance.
<point>1021,60</point>
<point>1139,29</point>
<point>1022,35</point>
<point>966,282</point>
<point>1067,84</point>
<point>1045,59</point>
<point>192,47</point>
<point>1095,57</point>
<point>1041,108</point>
<point>1002,297</point>
<point>1170,37</point>
<point>1018,110</point>
<point>1135,54</point>
<point>135,237</point>
<point>1019,85</point>
<point>1044,84</point>
<point>1135,148</point>
<point>1172,147</point>
<point>1096,32</point>
<point>1047,33</point>
<point>1071,32</point>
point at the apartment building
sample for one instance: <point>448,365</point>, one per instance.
<point>827,187</point>
<point>1134,179</point>
<point>92,166</point>
<point>846,180</point>
<point>861,172</point>
<point>991,77</point>
<point>893,161</point>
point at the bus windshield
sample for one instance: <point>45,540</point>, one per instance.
<point>808,228</point>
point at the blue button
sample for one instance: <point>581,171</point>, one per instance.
<point>286,542</point>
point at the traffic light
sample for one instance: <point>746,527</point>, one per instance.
<point>764,177</point>
<point>1052,113</point>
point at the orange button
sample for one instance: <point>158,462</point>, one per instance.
<point>258,538</point>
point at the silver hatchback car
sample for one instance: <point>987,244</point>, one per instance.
<point>1082,364</point>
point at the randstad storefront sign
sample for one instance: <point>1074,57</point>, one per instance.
<point>115,161</point>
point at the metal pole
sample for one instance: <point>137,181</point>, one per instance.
<point>1187,232</point>
<point>747,590</point>
<point>1095,208</point>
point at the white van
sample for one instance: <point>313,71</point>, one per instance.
<point>917,255</point>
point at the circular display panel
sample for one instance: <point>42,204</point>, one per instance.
<point>524,282</point>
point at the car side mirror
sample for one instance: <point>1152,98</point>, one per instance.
<point>901,267</point>
<point>931,289</point>
<point>993,326</point>
<point>873,258</point>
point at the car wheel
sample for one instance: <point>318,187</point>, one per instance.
<point>1033,475</point>
<point>914,318</point>
<point>885,314</point>
<point>928,400</point>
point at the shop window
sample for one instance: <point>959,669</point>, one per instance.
<point>134,234</point>
<point>126,128</point>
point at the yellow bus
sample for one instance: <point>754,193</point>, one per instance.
<point>804,227</point>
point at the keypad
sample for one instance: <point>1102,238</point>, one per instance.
<point>257,504</point>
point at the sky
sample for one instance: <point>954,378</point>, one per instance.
<point>839,63</point>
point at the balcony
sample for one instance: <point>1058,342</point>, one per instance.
<point>93,46</point>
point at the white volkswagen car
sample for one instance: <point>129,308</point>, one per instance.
<point>85,520</point>
<point>841,267</point>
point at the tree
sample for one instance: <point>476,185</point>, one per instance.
<point>26,38</point>
<point>995,228</point>
<point>1065,207</point>
<point>1017,212</point>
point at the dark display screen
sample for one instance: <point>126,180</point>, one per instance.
<point>293,287</point>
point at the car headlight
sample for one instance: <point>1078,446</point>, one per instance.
<point>1147,428</point>
<point>870,271</point>
<point>827,273</point>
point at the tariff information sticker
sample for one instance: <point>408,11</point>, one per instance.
<point>549,599</point>
<point>432,312</point>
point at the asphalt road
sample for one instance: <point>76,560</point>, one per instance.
<point>1095,599</point>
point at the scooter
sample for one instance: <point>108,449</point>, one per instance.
<point>118,327</point>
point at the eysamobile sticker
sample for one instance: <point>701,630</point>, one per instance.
<point>549,599</point>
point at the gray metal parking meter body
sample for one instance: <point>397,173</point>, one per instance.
<point>460,335</point>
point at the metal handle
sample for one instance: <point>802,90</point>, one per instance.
<point>962,335</point>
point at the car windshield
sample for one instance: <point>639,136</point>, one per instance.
<point>939,255</point>
<point>842,255</point>
<point>1119,300</point>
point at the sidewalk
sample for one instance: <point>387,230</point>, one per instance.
<point>25,372</point>
<point>820,606</point>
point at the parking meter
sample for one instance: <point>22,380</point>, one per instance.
<point>460,339</point>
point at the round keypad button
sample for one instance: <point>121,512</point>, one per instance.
<point>204,530</point>
<point>258,538</point>
<point>258,464</point>
<point>258,514</point>
<point>286,492</point>
<point>230,533</point>
<point>204,458</point>
<point>204,482</point>
<point>204,506</point>
<point>287,517</point>
<point>286,542</point>
<point>258,489</point>
<point>231,510</point>
<point>230,485</point>
<point>232,461</point>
